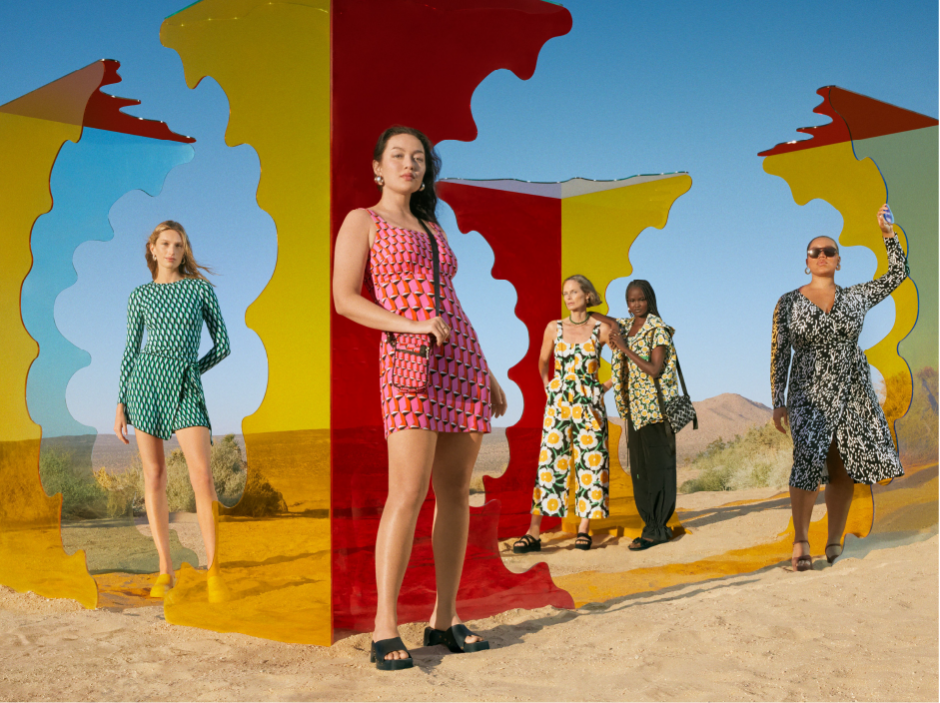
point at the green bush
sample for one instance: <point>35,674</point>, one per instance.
<point>125,490</point>
<point>82,497</point>
<point>760,458</point>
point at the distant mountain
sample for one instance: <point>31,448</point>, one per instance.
<point>724,416</point>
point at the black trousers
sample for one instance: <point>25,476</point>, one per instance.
<point>653,471</point>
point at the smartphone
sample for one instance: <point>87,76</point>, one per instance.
<point>889,216</point>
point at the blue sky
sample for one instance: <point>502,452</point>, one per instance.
<point>635,87</point>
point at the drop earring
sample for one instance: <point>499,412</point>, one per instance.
<point>422,186</point>
<point>379,181</point>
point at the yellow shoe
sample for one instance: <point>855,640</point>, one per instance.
<point>161,586</point>
<point>218,591</point>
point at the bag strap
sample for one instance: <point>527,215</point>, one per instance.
<point>435,254</point>
<point>659,390</point>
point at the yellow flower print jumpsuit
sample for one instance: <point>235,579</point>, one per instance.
<point>574,434</point>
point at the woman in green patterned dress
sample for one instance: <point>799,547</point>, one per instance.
<point>161,391</point>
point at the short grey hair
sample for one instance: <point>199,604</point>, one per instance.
<point>593,297</point>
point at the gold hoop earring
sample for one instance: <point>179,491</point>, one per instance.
<point>422,186</point>
<point>379,181</point>
<point>808,272</point>
<point>839,267</point>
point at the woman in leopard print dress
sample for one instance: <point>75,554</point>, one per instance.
<point>840,435</point>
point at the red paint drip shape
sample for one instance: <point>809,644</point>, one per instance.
<point>833,133</point>
<point>525,234</point>
<point>417,64</point>
<point>103,111</point>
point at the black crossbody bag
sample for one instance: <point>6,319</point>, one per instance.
<point>679,411</point>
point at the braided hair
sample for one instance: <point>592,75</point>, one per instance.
<point>648,293</point>
<point>424,202</point>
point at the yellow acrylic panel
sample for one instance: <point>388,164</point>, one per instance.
<point>31,554</point>
<point>857,190</point>
<point>272,59</point>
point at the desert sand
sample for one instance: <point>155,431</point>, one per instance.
<point>862,629</point>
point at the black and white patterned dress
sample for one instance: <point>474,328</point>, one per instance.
<point>830,390</point>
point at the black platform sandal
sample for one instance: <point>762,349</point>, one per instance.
<point>454,638</point>
<point>526,543</point>
<point>383,648</point>
<point>583,541</point>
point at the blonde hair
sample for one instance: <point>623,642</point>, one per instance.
<point>189,267</point>
<point>593,297</point>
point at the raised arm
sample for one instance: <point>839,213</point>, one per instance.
<point>873,292</point>
<point>349,267</point>
<point>212,314</point>
<point>780,359</point>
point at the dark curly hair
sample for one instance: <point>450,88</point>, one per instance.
<point>648,293</point>
<point>423,202</point>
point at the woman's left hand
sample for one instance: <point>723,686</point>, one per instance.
<point>497,397</point>
<point>887,231</point>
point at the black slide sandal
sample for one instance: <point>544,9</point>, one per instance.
<point>526,543</point>
<point>583,541</point>
<point>454,638</point>
<point>382,648</point>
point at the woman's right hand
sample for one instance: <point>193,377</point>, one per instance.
<point>434,326</point>
<point>781,419</point>
<point>120,424</point>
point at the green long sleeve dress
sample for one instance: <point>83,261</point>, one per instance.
<point>160,385</point>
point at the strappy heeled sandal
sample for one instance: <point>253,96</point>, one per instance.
<point>383,648</point>
<point>583,541</point>
<point>527,543</point>
<point>831,559</point>
<point>454,638</point>
<point>803,562</point>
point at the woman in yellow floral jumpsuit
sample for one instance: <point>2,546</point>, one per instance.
<point>574,431</point>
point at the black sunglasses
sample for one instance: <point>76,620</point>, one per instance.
<point>814,252</point>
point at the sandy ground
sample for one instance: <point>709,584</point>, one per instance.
<point>715,528</point>
<point>863,629</point>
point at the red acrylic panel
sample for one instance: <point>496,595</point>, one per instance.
<point>525,234</point>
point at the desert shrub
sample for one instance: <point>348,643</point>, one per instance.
<point>228,470</point>
<point>259,498</point>
<point>82,497</point>
<point>125,490</point>
<point>761,457</point>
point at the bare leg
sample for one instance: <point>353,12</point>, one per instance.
<point>535,526</point>
<point>801,503</point>
<point>410,458</point>
<point>194,441</point>
<point>158,513</point>
<point>838,497</point>
<point>453,465</point>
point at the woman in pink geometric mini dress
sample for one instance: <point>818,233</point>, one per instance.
<point>434,434</point>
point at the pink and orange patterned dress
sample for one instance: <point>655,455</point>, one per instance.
<point>401,279</point>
